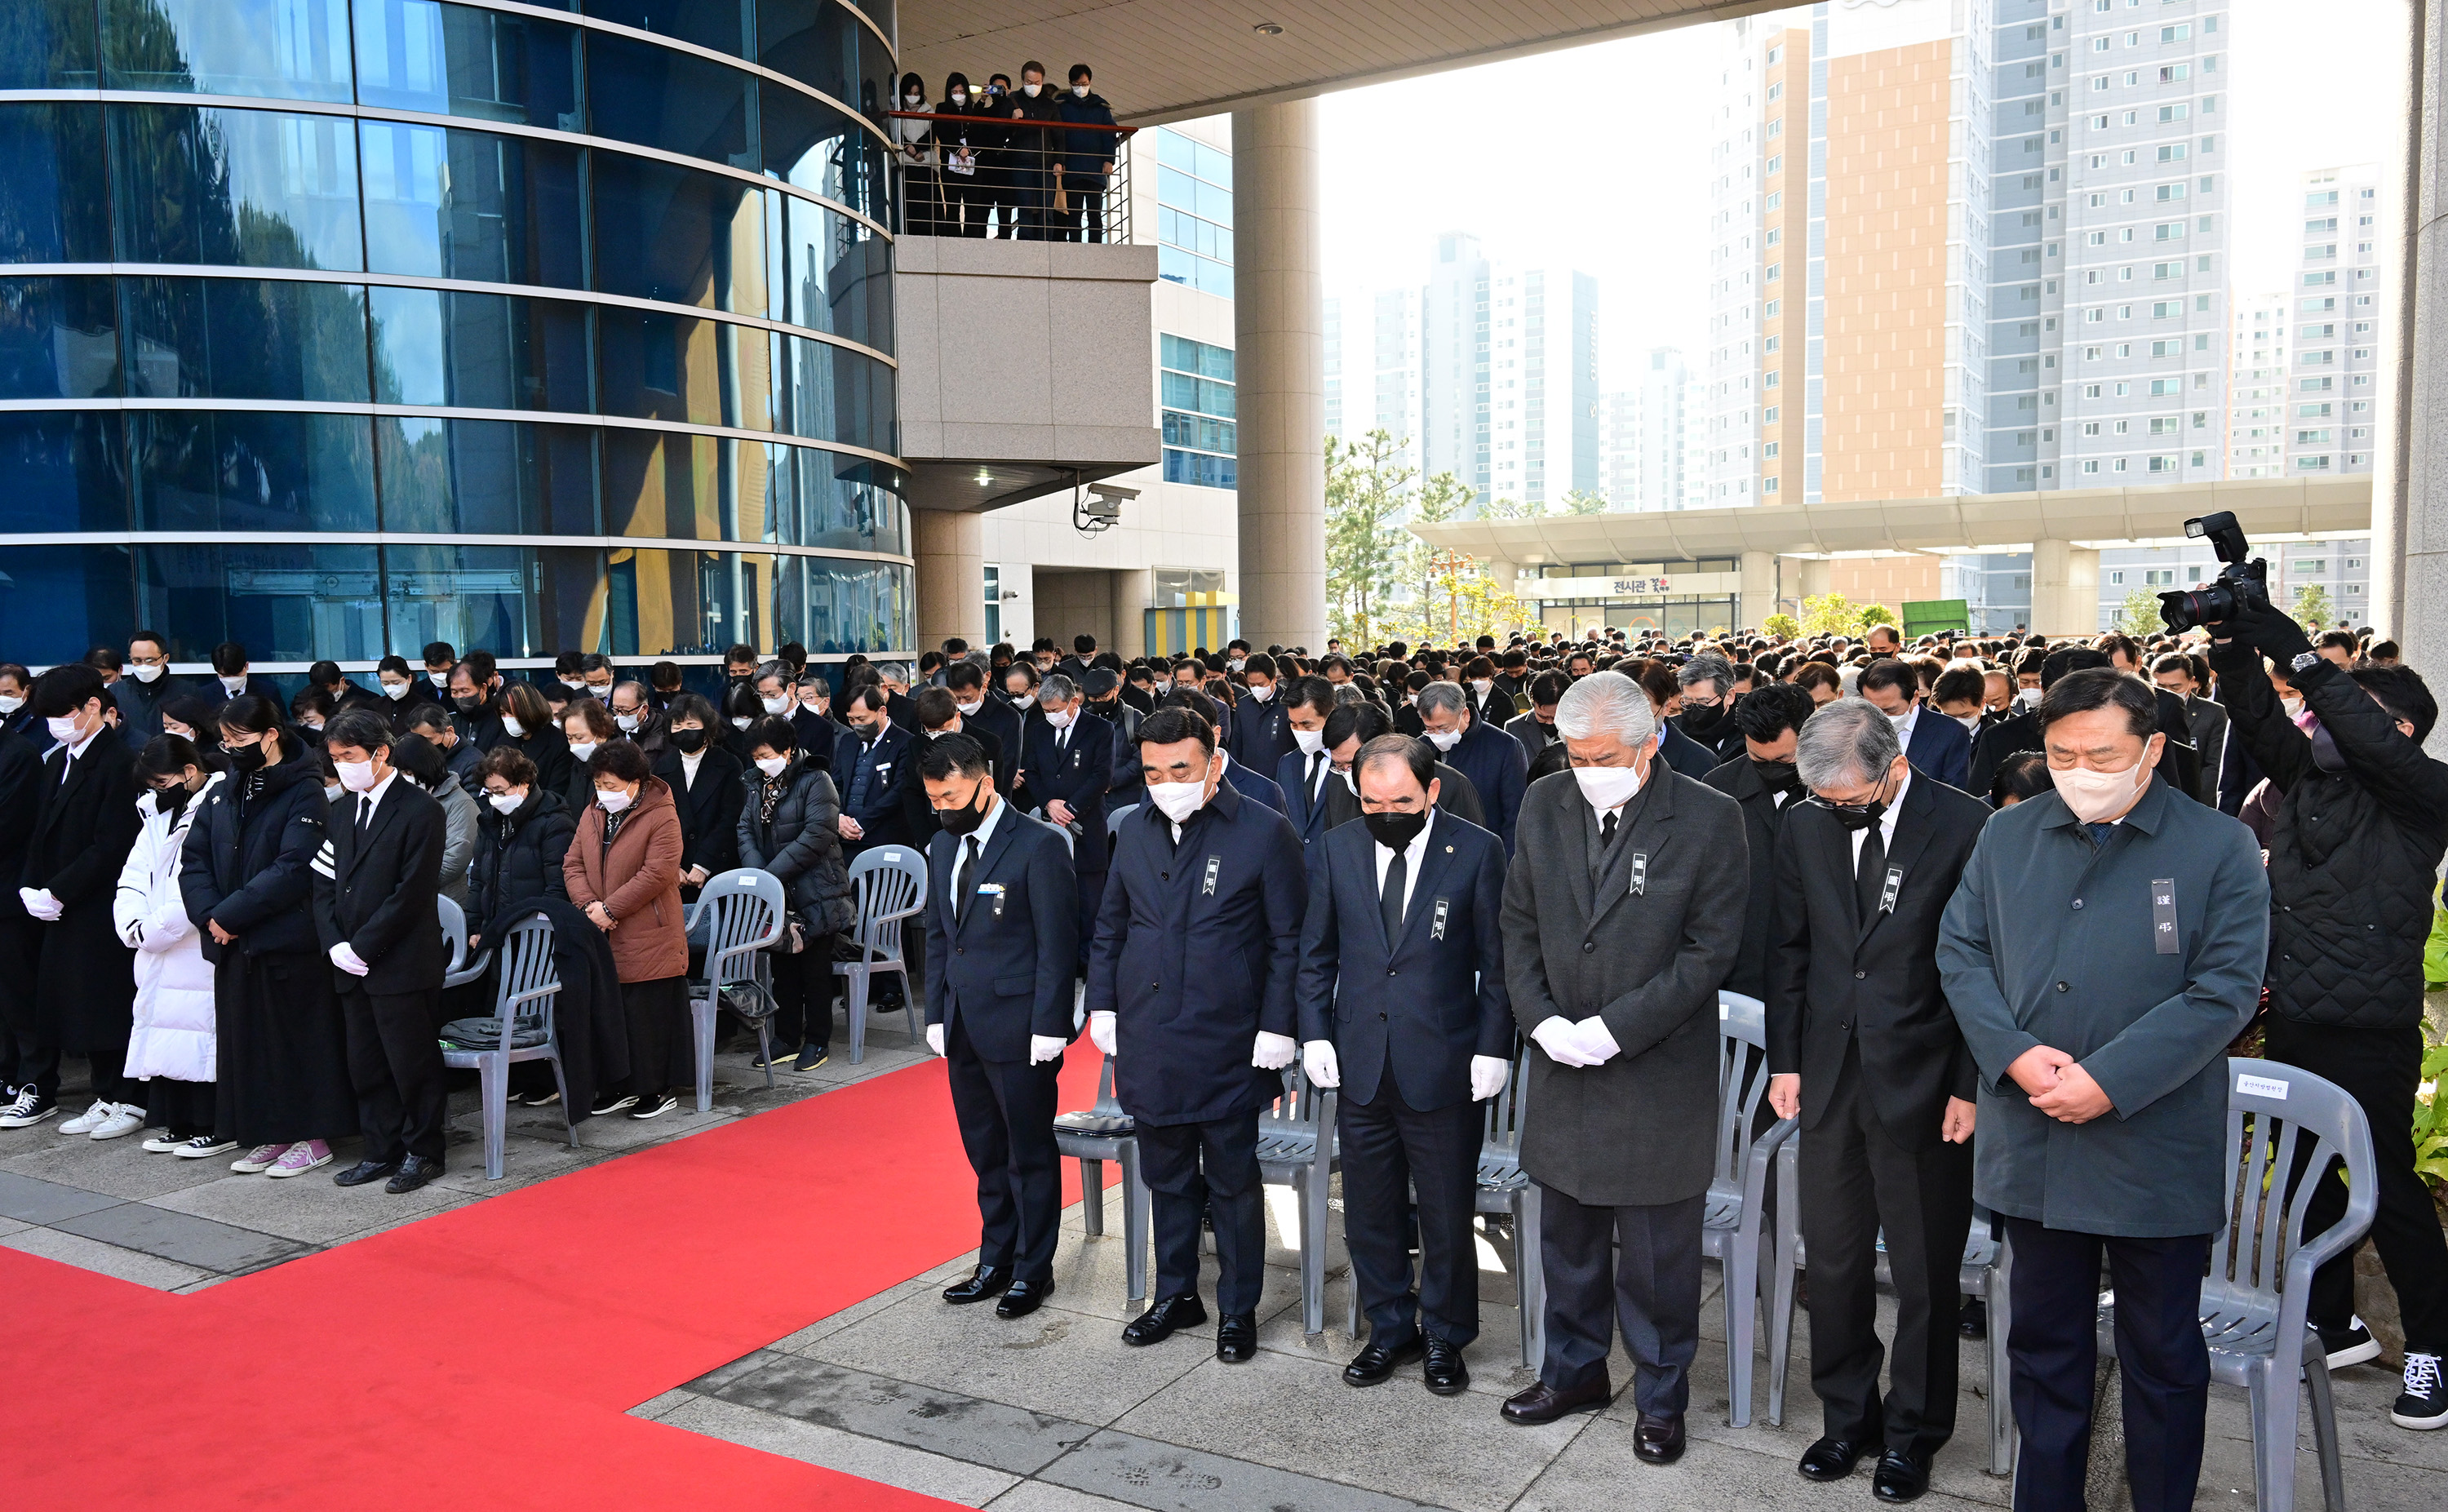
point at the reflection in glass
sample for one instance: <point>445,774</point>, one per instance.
<point>58,602</point>
<point>478,350</point>
<point>688,603</point>
<point>636,91</point>
<point>51,163</point>
<point>838,394</point>
<point>257,187</point>
<point>243,338</point>
<point>811,144</point>
<point>58,338</point>
<point>836,275</point>
<point>819,44</point>
<point>673,234</point>
<point>677,488</point>
<point>717,27</point>
<point>472,204</point>
<point>461,61</point>
<point>287,50</point>
<point>47,44</point>
<point>486,477</point>
<point>847,502</point>
<point>666,367</point>
<point>857,606</point>
<point>283,601</point>
<point>66,471</point>
<point>469,596</point>
<point>225,470</point>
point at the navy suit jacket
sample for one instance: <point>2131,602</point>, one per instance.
<point>1261,733</point>
<point>1292,777</point>
<point>1195,950</point>
<point>1941,747</point>
<point>1683,754</point>
<point>999,719</point>
<point>1254,784</point>
<point>879,812</point>
<point>1006,967</point>
<point>1497,770</point>
<point>1077,775</point>
<point>1421,1006</point>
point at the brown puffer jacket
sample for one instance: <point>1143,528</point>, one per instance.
<point>638,881</point>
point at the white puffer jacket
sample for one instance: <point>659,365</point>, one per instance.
<point>174,983</point>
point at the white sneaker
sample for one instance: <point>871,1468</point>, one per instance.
<point>203,1145</point>
<point>126,1118</point>
<point>161,1143</point>
<point>90,1119</point>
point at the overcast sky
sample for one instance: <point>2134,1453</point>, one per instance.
<point>1598,157</point>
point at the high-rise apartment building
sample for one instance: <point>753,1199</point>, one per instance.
<point>2257,380</point>
<point>1645,442</point>
<point>2334,385</point>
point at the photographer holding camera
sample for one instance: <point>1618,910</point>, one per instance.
<point>2362,825</point>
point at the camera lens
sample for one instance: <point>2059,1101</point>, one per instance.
<point>2207,605</point>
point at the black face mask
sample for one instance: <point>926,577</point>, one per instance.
<point>964,819</point>
<point>1777,777</point>
<point>245,759</point>
<point>1856,816</point>
<point>1395,831</point>
<point>468,704</point>
<point>171,800</point>
<point>1699,718</point>
<point>688,742</point>
<point>1106,709</point>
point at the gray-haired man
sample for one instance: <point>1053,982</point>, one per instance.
<point>1708,682</point>
<point>1623,910</point>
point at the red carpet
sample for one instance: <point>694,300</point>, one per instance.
<point>492,1351</point>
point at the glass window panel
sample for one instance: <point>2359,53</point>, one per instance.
<point>568,612</point>
<point>480,351</point>
<point>688,603</point>
<point>207,471</point>
<point>815,41</point>
<point>244,338</point>
<point>66,471</point>
<point>1175,265</point>
<point>838,275</point>
<point>59,338</point>
<point>809,143</point>
<point>857,606</point>
<point>847,502</point>
<point>469,596</point>
<point>716,25</point>
<point>257,187</point>
<point>1174,150</point>
<point>282,601</point>
<point>669,233</point>
<point>838,395</point>
<point>667,366</point>
<point>287,50</point>
<point>472,204</point>
<point>1212,163</point>
<point>461,61</point>
<point>655,96</point>
<point>58,602</point>
<point>47,44</point>
<point>486,477</point>
<point>50,160</point>
<point>677,488</point>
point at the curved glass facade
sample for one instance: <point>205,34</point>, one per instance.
<point>433,321</point>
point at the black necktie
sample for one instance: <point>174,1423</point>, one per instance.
<point>1317,768</point>
<point>1870,875</point>
<point>1606,828</point>
<point>1389,901</point>
<point>365,816</point>
<point>960,890</point>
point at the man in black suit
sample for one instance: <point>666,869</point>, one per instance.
<point>1262,735</point>
<point>231,679</point>
<point>1305,771</point>
<point>1938,747</point>
<point>1064,768</point>
<point>871,770</point>
<point>1865,1050</point>
<point>1536,729</point>
<point>1705,713</point>
<point>938,717</point>
<point>981,716</point>
<point>1003,926</point>
<point>375,891</point>
<point>1762,779</point>
<point>1403,1006</point>
<point>1353,725</point>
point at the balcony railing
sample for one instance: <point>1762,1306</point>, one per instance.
<point>979,176</point>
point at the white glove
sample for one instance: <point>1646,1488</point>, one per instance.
<point>1595,1040</point>
<point>1488,1074</point>
<point>346,959</point>
<point>1045,1048</point>
<point>935,1038</point>
<point>1555,1035</point>
<point>1101,1031</point>
<point>1273,1051</point>
<point>40,902</point>
<point>1317,1058</point>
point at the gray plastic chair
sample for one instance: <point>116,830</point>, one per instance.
<point>530,984</point>
<point>462,968</point>
<point>1297,1148</point>
<point>738,915</point>
<point>1114,820</point>
<point>1733,1225</point>
<point>2286,1127</point>
<point>887,885</point>
<point>1504,1188</point>
<point>1092,1137</point>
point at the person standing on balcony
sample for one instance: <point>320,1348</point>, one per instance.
<point>913,148</point>
<point>1087,160</point>
<point>1033,151</point>
<point>994,159</point>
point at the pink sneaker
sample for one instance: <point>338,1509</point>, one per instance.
<point>299,1158</point>
<point>258,1158</point>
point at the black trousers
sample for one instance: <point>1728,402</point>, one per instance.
<point>1007,1110</point>
<point>1083,197</point>
<point>1091,897</point>
<point>38,1066</point>
<point>184,1108</point>
<point>1032,192</point>
<point>922,204</point>
<point>2053,1349</point>
<point>662,1054</point>
<point>1390,1148</point>
<point>966,205</point>
<point>1651,1286</point>
<point>1191,1168</point>
<point>395,1066</point>
<point>1856,1181</point>
<point>2380,1069</point>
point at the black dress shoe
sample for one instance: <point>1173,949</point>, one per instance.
<point>1902,1476</point>
<point>365,1171</point>
<point>1180,1311</point>
<point>413,1172</point>
<point>982,1283</point>
<point>1372,1365</point>
<point>1659,1439</point>
<point>1447,1374</point>
<point>1236,1337</point>
<point>1829,1460</point>
<point>1972,1322</point>
<point>1543,1402</point>
<point>1023,1298</point>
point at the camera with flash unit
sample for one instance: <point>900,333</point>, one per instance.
<point>2244,579</point>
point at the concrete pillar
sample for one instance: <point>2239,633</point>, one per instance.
<point>1133,588</point>
<point>1279,367</point>
<point>1818,573</point>
<point>950,548</point>
<point>1757,597</point>
<point>2410,509</point>
<point>2065,589</point>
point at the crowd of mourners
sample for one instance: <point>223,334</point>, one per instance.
<point>2007,903</point>
<point>1027,162</point>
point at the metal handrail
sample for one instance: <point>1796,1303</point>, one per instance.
<point>998,193</point>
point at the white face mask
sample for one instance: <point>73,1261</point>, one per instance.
<point>440,680</point>
<point>1897,719</point>
<point>1605,788</point>
<point>234,686</point>
<point>1444,739</point>
<point>960,97</point>
<point>1309,741</point>
<point>1237,663</point>
<point>1059,718</point>
<point>311,722</point>
<point>395,691</point>
<point>776,705</point>
<point>511,727</point>
<point>967,709</point>
<point>2096,796</point>
<point>913,101</point>
<point>332,792</point>
<point>506,802</point>
<point>740,722</point>
<point>771,766</point>
<point>582,750</point>
<point>2028,698</point>
<point>1969,721</point>
<point>11,703</point>
<point>145,672</point>
<point>613,800</point>
<point>814,701</point>
<point>626,722</point>
<point>1078,92</point>
<point>1177,801</point>
<point>1262,690</point>
<point>357,777</point>
<point>2293,703</point>
<point>1480,685</point>
<point>1030,90</point>
<point>574,684</point>
<point>64,728</point>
